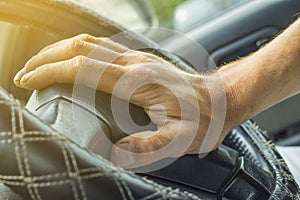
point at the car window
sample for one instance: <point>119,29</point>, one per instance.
<point>131,14</point>
<point>182,15</point>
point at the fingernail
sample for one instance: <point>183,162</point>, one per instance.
<point>27,76</point>
<point>122,156</point>
<point>19,75</point>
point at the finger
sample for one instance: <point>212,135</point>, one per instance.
<point>83,37</point>
<point>64,51</point>
<point>67,72</point>
<point>112,45</point>
<point>67,51</point>
<point>103,41</point>
<point>141,149</point>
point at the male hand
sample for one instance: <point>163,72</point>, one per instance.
<point>179,103</point>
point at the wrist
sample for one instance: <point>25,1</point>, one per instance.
<point>217,101</point>
<point>238,107</point>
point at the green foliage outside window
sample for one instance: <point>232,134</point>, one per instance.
<point>165,11</point>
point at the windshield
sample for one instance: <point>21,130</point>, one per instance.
<point>182,15</point>
<point>132,14</point>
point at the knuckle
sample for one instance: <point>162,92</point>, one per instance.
<point>144,72</point>
<point>135,147</point>
<point>76,45</point>
<point>139,57</point>
<point>78,61</point>
<point>149,56</point>
<point>84,37</point>
<point>121,60</point>
<point>104,39</point>
<point>157,143</point>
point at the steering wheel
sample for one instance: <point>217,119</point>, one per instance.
<point>43,159</point>
<point>245,165</point>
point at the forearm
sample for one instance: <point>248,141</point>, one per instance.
<point>265,78</point>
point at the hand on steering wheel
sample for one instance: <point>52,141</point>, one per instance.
<point>179,103</point>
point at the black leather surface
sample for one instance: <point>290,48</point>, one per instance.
<point>39,163</point>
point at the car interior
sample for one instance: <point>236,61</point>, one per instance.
<point>45,154</point>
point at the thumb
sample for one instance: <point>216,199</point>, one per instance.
<point>141,149</point>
